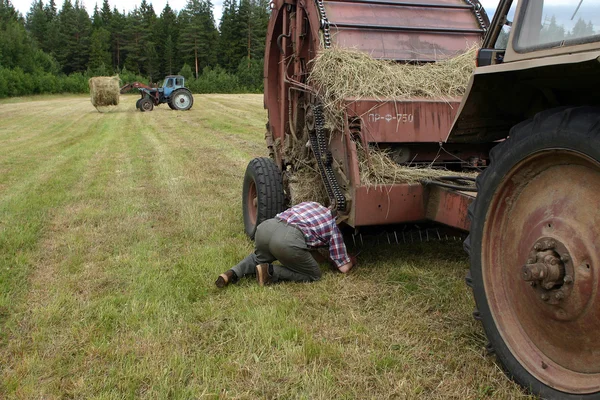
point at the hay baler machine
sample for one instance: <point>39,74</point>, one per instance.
<point>529,120</point>
<point>173,92</point>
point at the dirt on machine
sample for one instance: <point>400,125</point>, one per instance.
<point>173,92</point>
<point>516,158</point>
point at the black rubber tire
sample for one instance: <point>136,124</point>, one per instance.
<point>137,104</point>
<point>576,129</point>
<point>146,105</point>
<point>263,173</point>
<point>171,106</point>
<point>178,105</point>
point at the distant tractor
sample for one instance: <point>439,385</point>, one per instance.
<point>173,92</point>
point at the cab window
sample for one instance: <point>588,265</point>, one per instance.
<point>551,24</point>
<point>502,41</point>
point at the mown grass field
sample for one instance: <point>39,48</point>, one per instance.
<point>113,228</point>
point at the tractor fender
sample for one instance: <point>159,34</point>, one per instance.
<point>500,96</point>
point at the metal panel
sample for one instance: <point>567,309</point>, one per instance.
<point>387,204</point>
<point>449,207</point>
<point>415,120</point>
<point>404,31</point>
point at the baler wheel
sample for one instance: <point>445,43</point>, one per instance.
<point>534,249</point>
<point>262,195</point>
<point>146,105</point>
<point>182,99</point>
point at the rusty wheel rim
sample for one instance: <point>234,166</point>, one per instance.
<point>546,209</point>
<point>252,201</point>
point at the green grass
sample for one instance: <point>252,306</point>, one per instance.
<point>113,228</point>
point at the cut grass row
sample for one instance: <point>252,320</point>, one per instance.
<point>113,228</point>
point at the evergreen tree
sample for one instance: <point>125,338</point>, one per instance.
<point>169,56</point>
<point>582,29</point>
<point>117,44</point>
<point>105,14</point>
<point>100,55</point>
<point>198,34</point>
<point>133,42</point>
<point>50,10</point>
<point>79,45</point>
<point>231,47</point>
<point>8,13</point>
<point>18,49</point>
<point>168,35</point>
<point>149,60</point>
<point>96,18</point>
<point>37,22</point>
<point>51,41</point>
<point>552,32</point>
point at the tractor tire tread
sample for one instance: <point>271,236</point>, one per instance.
<point>578,120</point>
<point>269,187</point>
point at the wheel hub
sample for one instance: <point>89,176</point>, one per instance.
<point>551,275</point>
<point>549,270</point>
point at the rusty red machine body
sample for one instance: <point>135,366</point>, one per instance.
<point>405,31</point>
<point>530,121</point>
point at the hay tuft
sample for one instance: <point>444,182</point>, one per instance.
<point>377,168</point>
<point>305,184</point>
<point>338,74</point>
<point>104,91</point>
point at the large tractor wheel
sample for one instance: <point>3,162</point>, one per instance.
<point>146,105</point>
<point>263,196</point>
<point>181,100</point>
<point>535,253</point>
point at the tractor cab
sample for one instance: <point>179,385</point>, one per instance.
<point>171,83</point>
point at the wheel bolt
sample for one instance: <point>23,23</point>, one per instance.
<point>559,296</point>
<point>537,247</point>
<point>565,258</point>
<point>549,285</point>
<point>545,296</point>
<point>568,279</point>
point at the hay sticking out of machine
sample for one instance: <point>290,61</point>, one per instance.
<point>338,74</point>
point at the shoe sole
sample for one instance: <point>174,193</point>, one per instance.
<point>222,281</point>
<point>260,275</point>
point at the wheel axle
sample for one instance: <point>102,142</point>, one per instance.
<point>548,269</point>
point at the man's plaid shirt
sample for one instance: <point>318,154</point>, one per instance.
<point>319,229</point>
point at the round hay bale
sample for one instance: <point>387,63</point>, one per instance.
<point>104,91</point>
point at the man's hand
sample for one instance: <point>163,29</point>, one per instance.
<point>344,269</point>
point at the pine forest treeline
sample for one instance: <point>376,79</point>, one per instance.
<point>55,51</point>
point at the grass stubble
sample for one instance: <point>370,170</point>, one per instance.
<point>113,228</point>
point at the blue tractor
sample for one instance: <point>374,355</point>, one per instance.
<point>173,92</point>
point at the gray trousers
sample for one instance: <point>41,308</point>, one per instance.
<point>276,240</point>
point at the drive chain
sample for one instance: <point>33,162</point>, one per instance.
<point>477,7</point>
<point>324,24</point>
<point>318,142</point>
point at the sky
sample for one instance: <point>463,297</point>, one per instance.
<point>23,6</point>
